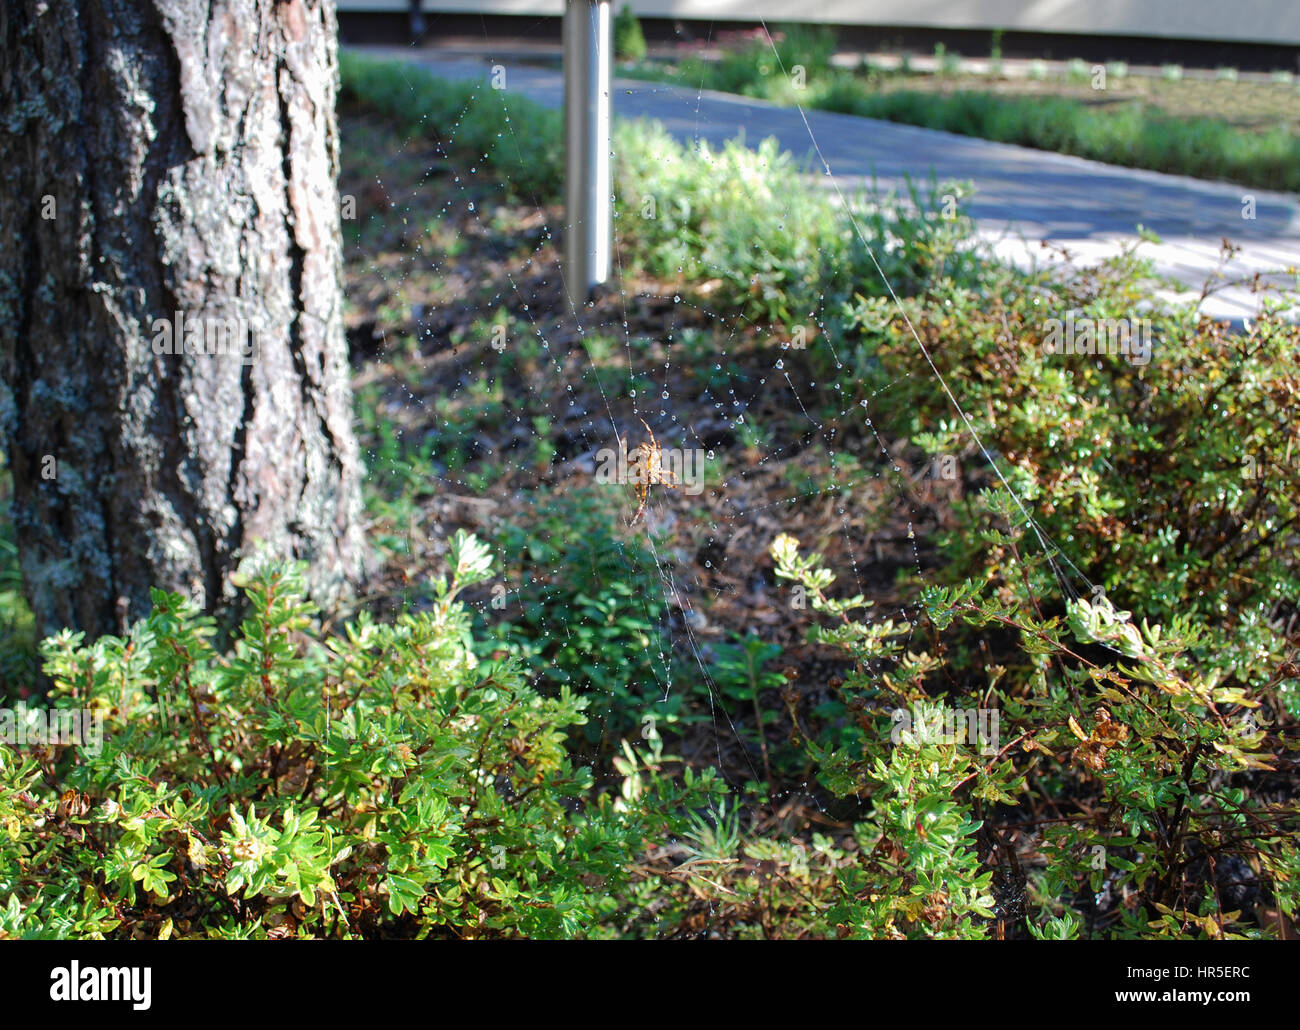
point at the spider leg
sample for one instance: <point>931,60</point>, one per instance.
<point>639,510</point>
<point>653,442</point>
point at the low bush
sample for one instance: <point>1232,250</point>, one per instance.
<point>1136,638</point>
<point>585,612</point>
<point>743,225</point>
<point>502,133</point>
<point>384,783</point>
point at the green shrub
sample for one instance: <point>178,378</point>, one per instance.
<point>1159,489</point>
<point>588,613</point>
<point>1168,480</point>
<point>1142,728</point>
<point>629,41</point>
<point>740,673</point>
<point>516,139</point>
<point>747,224</point>
<point>380,784</point>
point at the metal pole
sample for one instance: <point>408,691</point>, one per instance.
<point>588,207</point>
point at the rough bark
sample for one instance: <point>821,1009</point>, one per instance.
<point>191,153</point>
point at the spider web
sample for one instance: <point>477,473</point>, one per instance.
<point>685,641</point>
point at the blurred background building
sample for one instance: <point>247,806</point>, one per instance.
<point>1260,33</point>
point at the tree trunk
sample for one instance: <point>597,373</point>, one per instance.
<point>170,180</point>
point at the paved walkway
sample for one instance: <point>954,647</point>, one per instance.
<point>1022,196</point>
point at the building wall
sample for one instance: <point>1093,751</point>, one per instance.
<point>1255,21</point>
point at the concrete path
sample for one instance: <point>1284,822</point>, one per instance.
<point>1022,196</point>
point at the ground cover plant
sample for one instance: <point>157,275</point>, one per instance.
<point>885,667</point>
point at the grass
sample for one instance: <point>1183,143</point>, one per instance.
<point>468,129</point>
<point>1132,135</point>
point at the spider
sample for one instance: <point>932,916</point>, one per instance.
<point>645,469</point>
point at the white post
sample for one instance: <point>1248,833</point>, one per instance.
<point>588,185</point>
